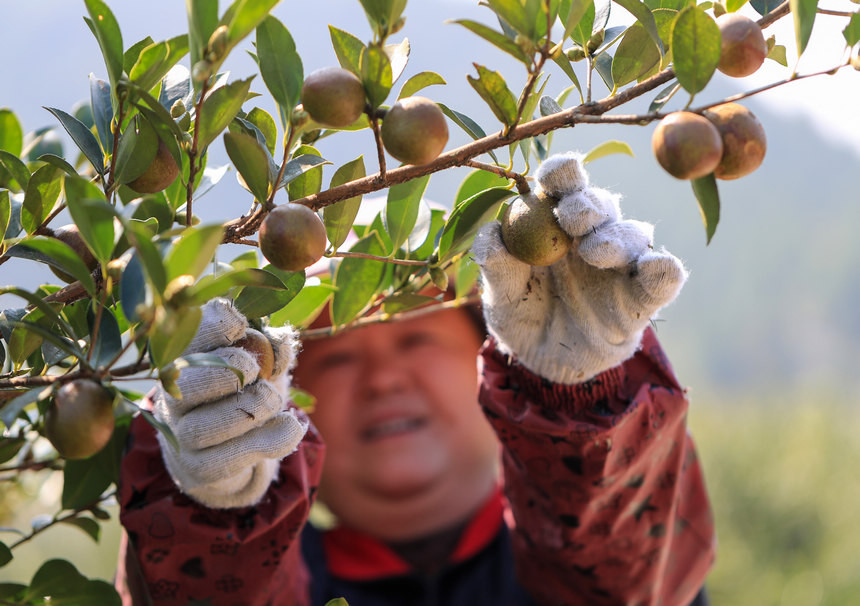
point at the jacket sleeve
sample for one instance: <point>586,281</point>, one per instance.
<point>175,551</point>
<point>607,494</point>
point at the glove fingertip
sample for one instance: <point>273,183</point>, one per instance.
<point>661,276</point>
<point>562,173</point>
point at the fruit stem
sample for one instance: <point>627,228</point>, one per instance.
<point>192,155</point>
<point>108,187</point>
<point>380,152</point>
<point>522,183</point>
<point>288,143</point>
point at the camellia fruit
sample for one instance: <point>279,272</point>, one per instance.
<point>744,141</point>
<point>292,237</point>
<point>333,97</point>
<point>687,145</point>
<point>71,236</point>
<point>80,421</point>
<point>530,230</point>
<point>258,345</point>
<point>414,130</point>
<point>743,47</point>
<point>159,174</point>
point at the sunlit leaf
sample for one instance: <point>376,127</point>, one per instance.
<point>376,74</point>
<point>348,49</point>
<point>338,217</point>
<point>491,86</point>
<point>16,168</point>
<point>495,38</point>
<point>472,128</point>
<point>106,30</point>
<point>401,209</point>
<point>280,64</point>
<point>11,134</point>
<point>705,190</point>
<point>467,217</point>
<point>310,181</point>
<point>259,301</point>
<point>219,108</point>
<point>398,56</point>
<point>357,279</point>
<point>476,182</point>
<point>803,13</point>
<point>304,307</point>
<point>193,250</point>
<point>695,47</point>
<point>644,17</point>
<point>43,191</point>
<point>251,161</point>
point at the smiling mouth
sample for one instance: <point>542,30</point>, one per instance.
<point>392,428</point>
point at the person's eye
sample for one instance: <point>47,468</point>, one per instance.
<point>416,339</point>
<point>335,359</point>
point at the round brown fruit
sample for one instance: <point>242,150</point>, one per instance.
<point>531,232</point>
<point>159,174</point>
<point>70,235</point>
<point>333,97</point>
<point>743,47</point>
<point>414,130</point>
<point>80,421</point>
<point>258,345</point>
<point>744,141</point>
<point>292,237</point>
<point>687,145</point>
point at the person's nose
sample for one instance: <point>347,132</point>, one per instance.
<point>384,371</point>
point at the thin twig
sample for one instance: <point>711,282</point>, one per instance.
<point>380,150</point>
<point>58,520</point>
<point>520,179</point>
<point>116,135</point>
<point>359,255</point>
<point>32,466</point>
<point>192,154</point>
<point>288,143</point>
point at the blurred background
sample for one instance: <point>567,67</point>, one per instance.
<point>766,333</point>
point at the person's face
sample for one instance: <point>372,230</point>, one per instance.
<point>397,407</point>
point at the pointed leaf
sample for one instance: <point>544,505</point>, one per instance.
<point>398,56</point>
<point>156,60</point>
<point>357,280</point>
<point>695,47</point>
<point>211,286</point>
<point>494,91</point>
<point>472,128</point>
<point>376,74</point>
<point>580,29</point>
<point>663,97</point>
<point>607,148</point>
<point>108,339</point>
<point>803,12</point>
<point>202,21</point>
<point>476,182</point>
<point>514,14</point>
<point>82,136</point>
<point>251,161</point>
<point>338,217</point>
<point>280,64</point>
<point>193,250</point>
<point>55,253</point>
<point>107,32</point>
<point>5,215</point>
<point>401,209</point>
<point>11,134</point>
<point>635,56</point>
<point>93,216</point>
<point>259,301</point>
<point>10,409</point>
<point>348,49</point>
<point>418,82</point>
<point>497,39</point>
<point>705,190</point>
<point>16,168</point>
<point>643,14</point>
<point>304,307</point>
<point>299,165</point>
<point>43,191</point>
<point>465,219</point>
<point>169,339</point>
<point>219,108</point>
<point>136,150</point>
<point>309,182</point>
<point>763,7</point>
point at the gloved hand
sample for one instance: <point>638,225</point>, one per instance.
<point>231,438</point>
<point>586,312</point>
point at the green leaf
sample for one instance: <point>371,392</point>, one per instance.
<point>405,301</point>
<point>43,191</point>
<point>803,12</point>
<point>280,64</point>
<point>173,334</point>
<point>337,602</point>
<point>472,128</point>
<point>219,285</point>
<point>401,209</point>
<point>132,288</point>
<point>193,251</point>
<point>219,108</point>
<point>695,47</point>
<point>132,54</point>
<point>357,280</point>
<point>298,165</point>
<point>348,49</point>
<point>202,21</point>
<point>376,74</point>
<point>777,53</point>
<point>55,253</point>
<point>383,14</point>
<point>398,56</point>
<point>635,56</point>
<point>763,7</point>
<point>59,163</point>
<point>338,217</point>
<point>465,219</point>
<point>11,135</point>
<point>150,258</point>
<point>93,216</point>
<point>108,340</point>
<point>310,181</point>
<point>851,31</point>
<point>476,182</point>
<point>136,150</point>
<point>663,97</point>
<point>155,61</point>
<point>88,525</point>
<point>418,82</point>
<point>16,168</point>
<point>497,39</point>
<point>705,190</point>
<point>643,15</point>
<point>5,214</point>
<point>266,125</point>
<point>48,311</point>
<point>243,17</point>
<point>514,14</point>
<point>256,301</point>
<point>251,161</point>
<point>85,480</point>
<point>574,12</point>
<point>9,447</point>
<point>603,65</point>
<point>107,32</point>
<point>10,410</point>
<point>607,148</point>
<point>304,307</point>
<point>494,91</point>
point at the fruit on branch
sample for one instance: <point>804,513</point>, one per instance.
<point>80,421</point>
<point>744,141</point>
<point>743,47</point>
<point>161,172</point>
<point>292,237</point>
<point>70,235</point>
<point>333,97</point>
<point>687,145</point>
<point>414,130</point>
<point>530,230</point>
<point>258,345</point>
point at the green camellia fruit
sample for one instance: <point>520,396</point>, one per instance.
<point>530,230</point>
<point>687,145</point>
<point>744,141</point>
<point>414,130</point>
<point>71,236</point>
<point>159,174</point>
<point>80,421</point>
<point>292,237</point>
<point>743,47</point>
<point>333,97</point>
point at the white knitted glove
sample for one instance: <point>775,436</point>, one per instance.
<point>585,313</point>
<point>231,438</point>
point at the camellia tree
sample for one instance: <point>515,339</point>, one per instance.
<point>134,265</point>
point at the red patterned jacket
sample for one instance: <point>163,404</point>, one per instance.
<point>604,504</point>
